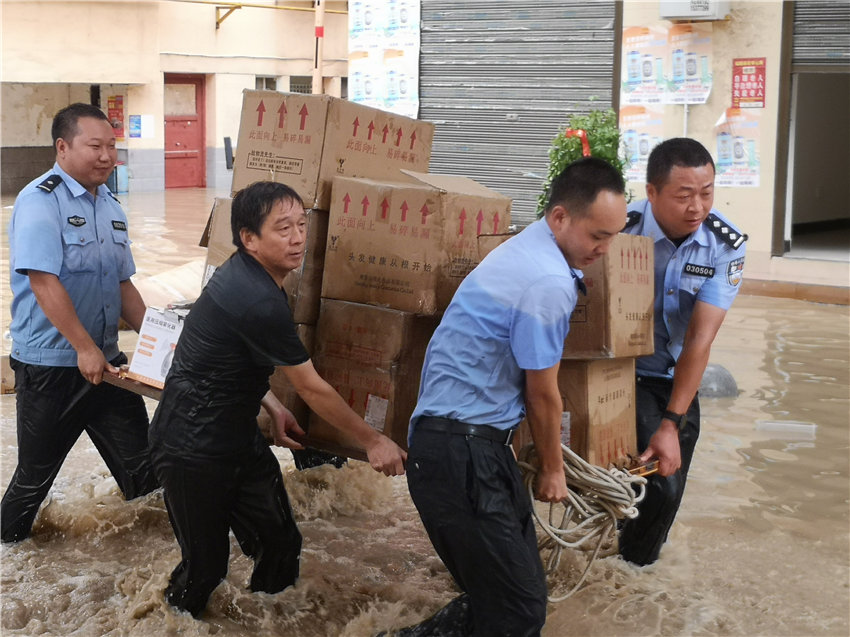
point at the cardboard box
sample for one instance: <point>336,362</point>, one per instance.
<point>218,237</point>
<point>489,242</point>
<point>615,318</point>
<point>285,392</point>
<point>205,235</point>
<point>303,286</point>
<point>407,245</point>
<point>598,421</point>
<point>373,357</point>
<point>305,140</point>
<point>155,347</point>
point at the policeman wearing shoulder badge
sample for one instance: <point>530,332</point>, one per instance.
<point>70,277</point>
<point>699,263</point>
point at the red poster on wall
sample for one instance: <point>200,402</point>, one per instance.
<point>115,113</point>
<point>748,79</point>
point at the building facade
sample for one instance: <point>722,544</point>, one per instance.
<point>499,80</point>
<point>170,73</point>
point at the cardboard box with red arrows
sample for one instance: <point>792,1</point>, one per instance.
<point>598,421</point>
<point>373,357</point>
<point>615,317</point>
<point>304,141</point>
<point>407,244</point>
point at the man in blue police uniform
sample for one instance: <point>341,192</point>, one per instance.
<point>699,260</point>
<point>70,277</point>
<point>493,360</point>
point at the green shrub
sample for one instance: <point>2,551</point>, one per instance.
<point>603,136</point>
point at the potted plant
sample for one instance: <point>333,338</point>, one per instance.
<point>596,134</point>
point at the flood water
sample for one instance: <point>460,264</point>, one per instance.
<point>761,545</point>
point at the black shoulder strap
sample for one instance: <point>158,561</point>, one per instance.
<point>49,184</point>
<point>726,233</point>
<point>114,197</point>
<point>633,218</point>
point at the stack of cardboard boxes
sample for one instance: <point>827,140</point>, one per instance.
<point>388,245</point>
<point>397,249</point>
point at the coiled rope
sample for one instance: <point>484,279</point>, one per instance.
<point>597,499</point>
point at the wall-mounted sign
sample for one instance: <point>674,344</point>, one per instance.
<point>667,64</point>
<point>135,126</point>
<point>748,82</point>
<point>115,112</point>
<point>383,55</point>
<point>738,138</point>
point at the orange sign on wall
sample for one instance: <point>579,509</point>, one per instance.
<point>115,112</point>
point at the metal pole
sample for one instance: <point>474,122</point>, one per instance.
<point>318,83</point>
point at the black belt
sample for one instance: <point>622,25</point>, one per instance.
<point>447,425</point>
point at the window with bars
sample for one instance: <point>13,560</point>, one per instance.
<point>264,83</point>
<point>301,84</point>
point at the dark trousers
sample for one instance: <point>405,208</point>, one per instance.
<point>206,498</point>
<point>641,539</point>
<point>477,512</point>
<point>54,406</point>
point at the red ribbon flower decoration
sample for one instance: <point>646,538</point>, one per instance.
<point>582,135</point>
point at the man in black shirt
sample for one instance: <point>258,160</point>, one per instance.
<point>216,468</point>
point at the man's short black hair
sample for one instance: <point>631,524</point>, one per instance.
<point>578,185</point>
<point>252,205</point>
<point>678,151</point>
<point>65,121</point>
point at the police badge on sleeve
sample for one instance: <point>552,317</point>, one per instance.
<point>735,271</point>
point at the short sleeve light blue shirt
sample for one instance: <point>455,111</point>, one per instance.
<point>84,241</point>
<point>705,267</point>
<point>511,313</point>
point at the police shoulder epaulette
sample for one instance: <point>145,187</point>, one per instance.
<point>726,233</point>
<point>632,218</point>
<point>49,184</point>
<point>114,197</point>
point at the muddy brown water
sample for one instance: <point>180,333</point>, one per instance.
<point>761,545</point>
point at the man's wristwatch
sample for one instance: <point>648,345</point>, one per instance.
<point>678,419</point>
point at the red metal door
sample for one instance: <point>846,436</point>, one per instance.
<point>185,161</point>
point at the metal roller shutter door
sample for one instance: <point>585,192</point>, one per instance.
<point>822,33</point>
<point>500,78</point>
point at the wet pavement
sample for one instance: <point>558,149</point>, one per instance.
<point>761,545</point>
